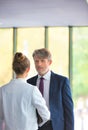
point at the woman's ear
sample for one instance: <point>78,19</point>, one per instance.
<point>27,70</point>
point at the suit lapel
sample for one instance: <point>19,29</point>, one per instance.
<point>52,88</point>
<point>34,80</point>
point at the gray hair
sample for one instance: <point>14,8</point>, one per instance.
<point>42,53</point>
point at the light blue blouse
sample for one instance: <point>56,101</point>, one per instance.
<point>18,103</point>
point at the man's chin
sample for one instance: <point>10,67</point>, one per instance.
<point>41,73</point>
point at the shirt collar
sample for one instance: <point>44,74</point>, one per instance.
<point>19,79</point>
<point>46,76</point>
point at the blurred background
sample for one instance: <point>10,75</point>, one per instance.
<point>63,29</point>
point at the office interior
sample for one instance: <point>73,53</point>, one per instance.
<point>59,25</point>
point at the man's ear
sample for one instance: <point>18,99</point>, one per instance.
<point>50,62</point>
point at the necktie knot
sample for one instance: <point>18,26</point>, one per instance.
<point>41,78</point>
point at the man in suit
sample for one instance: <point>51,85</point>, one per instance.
<point>57,91</point>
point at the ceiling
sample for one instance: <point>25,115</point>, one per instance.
<point>35,13</point>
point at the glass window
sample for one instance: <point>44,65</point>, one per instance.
<point>58,40</point>
<point>29,39</point>
<point>6,53</point>
<point>80,76</point>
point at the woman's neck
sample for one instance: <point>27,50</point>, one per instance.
<point>21,76</point>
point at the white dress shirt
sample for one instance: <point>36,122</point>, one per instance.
<point>18,103</point>
<point>46,86</point>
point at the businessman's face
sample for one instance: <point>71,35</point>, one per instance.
<point>42,65</point>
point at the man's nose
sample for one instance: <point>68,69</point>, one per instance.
<point>39,63</point>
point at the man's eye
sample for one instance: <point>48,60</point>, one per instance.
<point>42,60</point>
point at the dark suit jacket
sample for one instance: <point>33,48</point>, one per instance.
<point>46,126</point>
<point>60,102</point>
